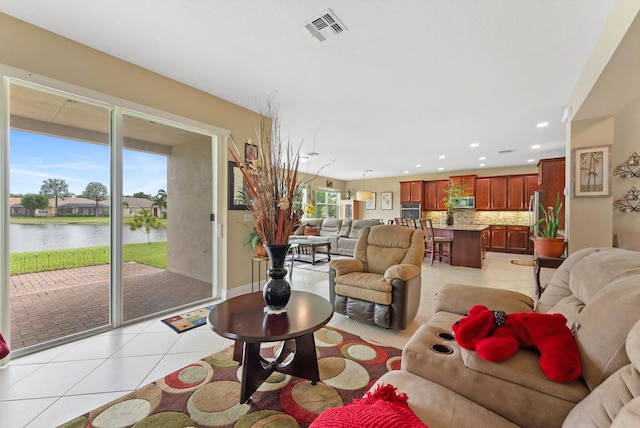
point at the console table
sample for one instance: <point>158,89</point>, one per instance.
<point>544,262</point>
<point>242,319</point>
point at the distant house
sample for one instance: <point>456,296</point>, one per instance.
<point>79,207</point>
<point>15,209</point>
<point>132,206</point>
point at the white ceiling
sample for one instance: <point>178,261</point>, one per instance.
<point>408,82</point>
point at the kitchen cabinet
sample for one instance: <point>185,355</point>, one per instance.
<point>520,190</point>
<point>411,192</point>
<point>491,193</point>
<point>350,210</point>
<point>486,240</point>
<point>551,181</point>
<point>433,194</point>
<point>510,239</point>
<point>467,181</point>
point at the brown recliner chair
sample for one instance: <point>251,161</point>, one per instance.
<point>381,284</point>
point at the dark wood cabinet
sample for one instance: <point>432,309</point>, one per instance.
<point>467,181</point>
<point>521,188</point>
<point>411,192</point>
<point>486,240</point>
<point>433,194</point>
<point>498,238</point>
<point>551,181</point>
<point>491,193</point>
<point>510,239</point>
<point>518,239</point>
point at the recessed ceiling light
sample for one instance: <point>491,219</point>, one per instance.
<point>418,166</point>
<point>441,169</point>
<point>542,124</point>
<point>535,146</point>
<point>482,158</point>
<point>531,160</point>
<point>481,164</point>
<point>406,172</point>
<point>303,159</point>
<point>441,157</point>
<point>474,145</point>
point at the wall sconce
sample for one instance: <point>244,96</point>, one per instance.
<point>630,203</point>
<point>363,195</point>
<point>631,169</point>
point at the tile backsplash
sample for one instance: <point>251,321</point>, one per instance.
<point>519,218</point>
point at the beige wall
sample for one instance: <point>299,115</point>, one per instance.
<point>606,110</point>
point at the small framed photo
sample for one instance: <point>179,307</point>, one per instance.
<point>592,171</point>
<point>386,200</point>
<point>371,203</point>
<point>250,153</point>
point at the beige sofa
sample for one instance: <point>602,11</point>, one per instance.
<point>342,234</point>
<point>598,290</point>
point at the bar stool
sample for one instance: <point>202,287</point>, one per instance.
<point>433,244</point>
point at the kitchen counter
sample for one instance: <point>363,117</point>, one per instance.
<point>465,227</point>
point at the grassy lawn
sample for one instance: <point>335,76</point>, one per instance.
<point>154,254</point>
<point>72,220</point>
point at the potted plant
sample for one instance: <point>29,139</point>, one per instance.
<point>454,191</point>
<point>256,243</point>
<point>547,243</point>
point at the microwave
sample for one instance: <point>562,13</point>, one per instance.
<point>468,202</point>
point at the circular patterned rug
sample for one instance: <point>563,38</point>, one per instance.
<point>207,392</point>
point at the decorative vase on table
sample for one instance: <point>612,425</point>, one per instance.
<point>277,290</point>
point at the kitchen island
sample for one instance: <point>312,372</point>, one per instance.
<point>470,242</point>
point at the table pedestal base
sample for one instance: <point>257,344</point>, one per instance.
<point>256,369</point>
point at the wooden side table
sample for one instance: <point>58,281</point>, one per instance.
<point>260,260</point>
<point>544,262</point>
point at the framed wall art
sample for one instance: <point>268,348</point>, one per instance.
<point>237,192</point>
<point>371,203</point>
<point>250,152</point>
<point>592,171</point>
<point>386,200</point>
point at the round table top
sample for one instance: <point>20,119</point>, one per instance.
<point>243,317</point>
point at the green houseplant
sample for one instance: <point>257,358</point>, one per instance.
<point>547,243</point>
<point>455,190</point>
<point>256,243</point>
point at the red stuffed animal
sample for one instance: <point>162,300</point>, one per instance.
<point>496,336</point>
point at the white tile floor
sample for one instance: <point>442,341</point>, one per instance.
<point>51,387</point>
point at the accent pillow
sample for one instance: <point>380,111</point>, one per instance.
<point>311,231</point>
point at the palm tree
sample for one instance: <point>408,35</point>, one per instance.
<point>55,188</point>
<point>160,201</point>
<point>96,192</point>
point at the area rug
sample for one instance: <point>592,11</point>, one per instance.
<point>207,392</point>
<point>320,266</point>
<point>187,321</point>
<point>522,262</point>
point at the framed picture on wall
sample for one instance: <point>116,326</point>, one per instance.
<point>592,171</point>
<point>386,200</point>
<point>371,203</point>
<point>250,152</point>
<point>237,192</point>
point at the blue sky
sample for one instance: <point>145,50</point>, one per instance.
<point>35,158</point>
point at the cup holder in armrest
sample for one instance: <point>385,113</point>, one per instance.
<point>439,348</point>
<point>445,336</point>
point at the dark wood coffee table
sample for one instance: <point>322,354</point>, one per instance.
<point>242,319</point>
<point>305,250</point>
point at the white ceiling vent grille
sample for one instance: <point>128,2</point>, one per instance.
<point>325,26</point>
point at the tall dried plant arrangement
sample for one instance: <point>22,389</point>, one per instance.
<point>272,179</point>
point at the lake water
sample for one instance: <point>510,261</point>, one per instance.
<point>39,237</point>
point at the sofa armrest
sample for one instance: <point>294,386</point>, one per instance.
<point>459,298</point>
<point>401,271</point>
<point>345,266</point>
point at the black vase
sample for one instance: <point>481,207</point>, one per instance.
<point>277,290</point>
<point>449,218</point>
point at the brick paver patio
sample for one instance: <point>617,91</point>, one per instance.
<point>53,304</point>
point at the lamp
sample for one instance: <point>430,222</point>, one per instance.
<point>363,195</point>
<point>631,169</point>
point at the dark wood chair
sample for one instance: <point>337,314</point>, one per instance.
<point>433,244</point>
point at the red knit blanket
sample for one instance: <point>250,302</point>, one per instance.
<point>381,408</point>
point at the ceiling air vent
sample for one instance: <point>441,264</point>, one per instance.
<point>502,152</point>
<point>325,25</point>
